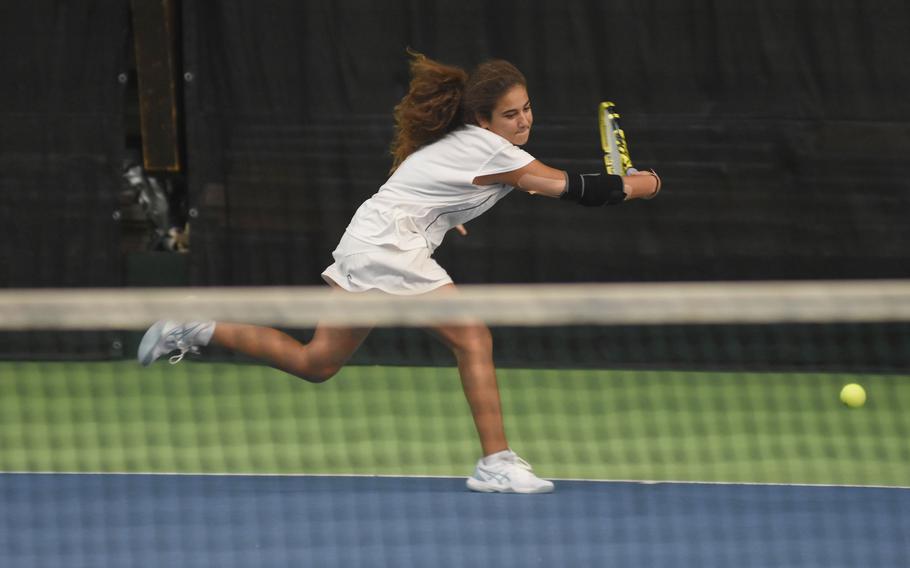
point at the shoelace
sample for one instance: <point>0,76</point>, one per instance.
<point>179,339</point>
<point>174,359</point>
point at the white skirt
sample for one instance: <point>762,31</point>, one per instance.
<point>361,266</point>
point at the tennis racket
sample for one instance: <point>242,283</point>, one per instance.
<point>613,141</point>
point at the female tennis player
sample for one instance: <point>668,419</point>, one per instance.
<point>455,154</point>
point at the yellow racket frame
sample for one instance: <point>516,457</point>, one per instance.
<point>617,160</point>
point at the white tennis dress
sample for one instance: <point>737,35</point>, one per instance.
<point>389,243</point>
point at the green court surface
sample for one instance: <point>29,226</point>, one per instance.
<point>603,424</point>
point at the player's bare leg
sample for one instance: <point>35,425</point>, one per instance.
<point>316,361</point>
<point>500,469</point>
<point>472,346</point>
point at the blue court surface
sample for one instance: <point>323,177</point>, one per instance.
<point>135,520</point>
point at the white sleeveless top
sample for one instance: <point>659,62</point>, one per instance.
<point>432,190</point>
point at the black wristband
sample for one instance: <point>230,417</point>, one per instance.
<point>594,190</point>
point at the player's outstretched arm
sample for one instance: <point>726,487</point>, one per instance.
<point>540,179</point>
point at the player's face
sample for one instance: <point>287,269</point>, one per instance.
<point>512,116</point>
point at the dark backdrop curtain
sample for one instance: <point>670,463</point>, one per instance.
<point>780,129</point>
<point>61,137</point>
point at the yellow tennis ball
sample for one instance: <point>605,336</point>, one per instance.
<point>853,395</point>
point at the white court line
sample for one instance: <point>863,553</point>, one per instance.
<point>390,476</point>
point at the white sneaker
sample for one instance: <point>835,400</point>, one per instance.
<point>505,472</point>
<point>166,336</point>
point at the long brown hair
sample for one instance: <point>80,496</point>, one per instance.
<point>442,97</point>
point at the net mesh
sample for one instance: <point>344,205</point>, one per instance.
<point>695,424</point>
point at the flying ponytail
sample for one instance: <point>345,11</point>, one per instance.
<point>431,108</point>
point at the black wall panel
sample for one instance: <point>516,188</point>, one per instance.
<point>61,138</point>
<point>780,129</point>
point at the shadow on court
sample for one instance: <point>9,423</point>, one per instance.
<point>99,520</point>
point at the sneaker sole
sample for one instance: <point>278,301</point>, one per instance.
<point>483,487</point>
<point>148,343</point>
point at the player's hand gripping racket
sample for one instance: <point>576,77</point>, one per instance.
<point>617,160</point>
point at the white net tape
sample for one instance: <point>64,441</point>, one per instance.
<point>651,303</point>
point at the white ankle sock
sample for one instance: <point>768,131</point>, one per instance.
<point>498,456</point>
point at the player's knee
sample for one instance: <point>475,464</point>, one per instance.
<point>477,341</point>
<point>319,374</point>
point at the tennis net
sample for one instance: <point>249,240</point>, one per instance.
<point>726,394</point>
